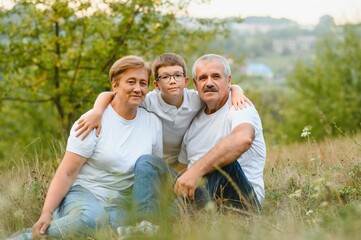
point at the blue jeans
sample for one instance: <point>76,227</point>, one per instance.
<point>153,178</point>
<point>230,186</point>
<point>79,213</point>
<point>153,193</point>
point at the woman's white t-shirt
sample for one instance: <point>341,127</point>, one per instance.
<point>109,168</point>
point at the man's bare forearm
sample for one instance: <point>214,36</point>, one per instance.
<point>227,150</point>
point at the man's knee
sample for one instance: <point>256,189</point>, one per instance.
<point>233,167</point>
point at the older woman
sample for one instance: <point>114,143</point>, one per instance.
<point>93,184</point>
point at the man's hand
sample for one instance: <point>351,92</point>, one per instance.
<point>186,184</point>
<point>41,225</point>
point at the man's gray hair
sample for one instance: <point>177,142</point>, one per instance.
<point>211,58</point>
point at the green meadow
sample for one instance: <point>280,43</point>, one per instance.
<point>313,191</point>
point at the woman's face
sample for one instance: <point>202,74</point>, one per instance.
<point>132,86</point>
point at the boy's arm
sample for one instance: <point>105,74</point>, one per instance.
<point>93,120</point>
<point>239,100</point>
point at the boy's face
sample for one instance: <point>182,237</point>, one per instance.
<point>171,82</point>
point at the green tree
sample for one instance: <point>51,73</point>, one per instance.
<point>327,92</point>
<point>57,53</point>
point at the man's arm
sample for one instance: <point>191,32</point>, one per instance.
<point>93,120</point>
<point>225,152</point>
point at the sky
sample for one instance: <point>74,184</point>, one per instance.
<point>304,12</point>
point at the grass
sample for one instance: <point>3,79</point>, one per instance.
<point>313,191</point>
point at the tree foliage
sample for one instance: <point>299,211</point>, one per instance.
<point>327,93</point>
<point>57,53</point>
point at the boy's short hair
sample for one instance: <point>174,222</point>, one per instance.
<point>168,59</point>
<point>125,63</point>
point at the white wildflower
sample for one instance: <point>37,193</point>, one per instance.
<point>306,131</point>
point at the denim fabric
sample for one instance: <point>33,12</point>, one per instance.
<point>79,213</point>
<point>118,216</point>
<point>153,188</point>
<point>154,181</point>
<point>231,187</point>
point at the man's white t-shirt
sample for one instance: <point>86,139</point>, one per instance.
<point>175,120</point>
<point>207,130</point>
<point>109,168</point>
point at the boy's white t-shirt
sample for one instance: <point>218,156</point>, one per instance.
<point>207,130</point>
<point>109,168</point>
<point>175,121</point>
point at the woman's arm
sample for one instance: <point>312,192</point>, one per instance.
<point>63,179</point>
<point>239,100</point>
<point>94,119</point>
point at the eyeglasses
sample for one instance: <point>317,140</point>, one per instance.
<point>166,78</point>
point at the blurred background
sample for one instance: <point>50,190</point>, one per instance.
<point>298,61</point>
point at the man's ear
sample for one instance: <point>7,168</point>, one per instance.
<point>156,85</point>
<point>229,80</point>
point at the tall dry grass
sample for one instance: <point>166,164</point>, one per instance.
<point>313,191</point>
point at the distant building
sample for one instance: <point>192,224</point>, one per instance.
<point>299,44</point>
<point>257,70</point>
<point>261,24</point>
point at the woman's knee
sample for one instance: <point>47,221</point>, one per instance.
<point>79,221</point>
<point>92,217</point>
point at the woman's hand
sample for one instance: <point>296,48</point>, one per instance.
<point>39,228</point>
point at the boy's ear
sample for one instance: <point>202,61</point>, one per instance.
<point>186,81</point>
<point>156,85</point>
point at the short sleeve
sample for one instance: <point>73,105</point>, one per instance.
<point>84,148</point>
<point>245,115</point>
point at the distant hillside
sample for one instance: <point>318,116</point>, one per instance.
<point>268,21</point>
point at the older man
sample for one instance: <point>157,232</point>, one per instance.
<point>222,145</point>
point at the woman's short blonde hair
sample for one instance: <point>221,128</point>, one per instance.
<point>125,63</point>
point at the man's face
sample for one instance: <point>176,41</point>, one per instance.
<point>171,81</point>
<point>212,84</point>
<point>132,86</point>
